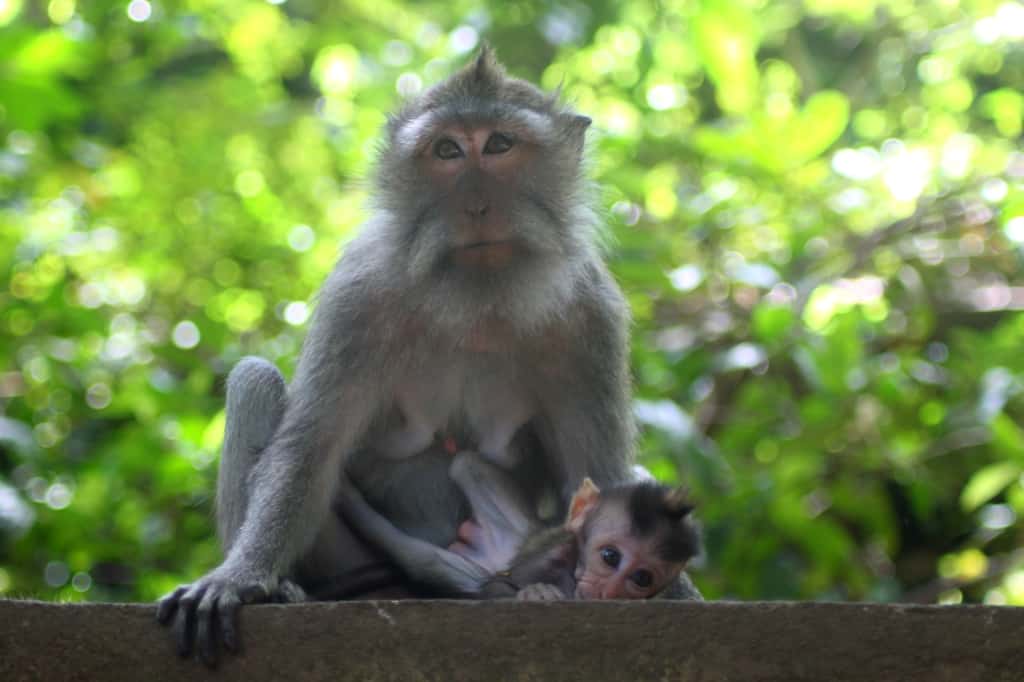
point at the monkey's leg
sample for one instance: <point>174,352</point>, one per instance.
<point>502,517</point>
<point>255,405</point>
<point>422,561</point>
<point>256,401</point>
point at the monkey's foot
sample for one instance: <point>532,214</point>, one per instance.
<point>204,614</point>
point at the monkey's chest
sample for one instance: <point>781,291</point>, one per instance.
<point>478,406</point>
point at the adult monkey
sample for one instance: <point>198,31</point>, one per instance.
<point>473,305</point>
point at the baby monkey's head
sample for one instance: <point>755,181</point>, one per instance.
<point>633,539</point>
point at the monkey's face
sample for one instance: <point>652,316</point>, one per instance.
<point>478,169</point>
<point>493,195</point>
<point>615,563</point>
<point>482,177</point>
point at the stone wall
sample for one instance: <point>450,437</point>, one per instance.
<point>445,640</point>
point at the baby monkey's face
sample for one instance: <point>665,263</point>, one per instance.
<point>615,563</point>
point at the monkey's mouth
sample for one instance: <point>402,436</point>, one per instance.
<point>489,253</point>
<point>483,244</point>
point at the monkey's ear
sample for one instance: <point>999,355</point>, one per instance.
<point>583,500</point>
<point>576,128</point>
<point>676,504</point>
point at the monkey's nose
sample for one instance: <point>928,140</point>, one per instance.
<point>477,209</point>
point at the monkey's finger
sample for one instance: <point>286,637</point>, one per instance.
<point>168,605</point>
<point>528,593</point>
<point>552,593</point>
<point>469,532</point>
<point>461,548</point>
<point>206,629</point>
<point>543,593</point>
<point>291,593</point>
<point>252,594</point>
<point>185,621</point>
<point>227,618</point>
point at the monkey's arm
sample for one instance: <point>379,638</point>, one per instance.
<point>334,395</point>
<point>502,521</point>
<point>586,421</point>
<point>502,516</point>
<point>423,562</point>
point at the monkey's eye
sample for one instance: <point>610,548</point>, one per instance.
<point>446,149</point>
<point>611,556</point>
<point>642,578</point>
<point>499,143</point>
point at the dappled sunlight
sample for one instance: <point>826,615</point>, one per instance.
<point>815,210</point>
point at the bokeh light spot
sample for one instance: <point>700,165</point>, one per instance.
<point>409,84</point>
<point>98,396</point>
<point>56,573</point>
<point>296,313</point>
<point>60,11</point>
<point>185,334</point>
<point>1014,229</point>
<point>81,582</point>
<point>139,10</point>
<point>463,39</point>
<point>58,496</point>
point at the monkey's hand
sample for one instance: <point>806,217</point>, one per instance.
<point>540,592</point>
<point>485,546</point>
<point>204,614</point>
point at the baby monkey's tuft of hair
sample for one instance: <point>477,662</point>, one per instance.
<point>658,509</point>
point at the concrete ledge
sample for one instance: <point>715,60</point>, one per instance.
<point>445,640</point>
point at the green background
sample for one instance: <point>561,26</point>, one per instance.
<point>815,208</point>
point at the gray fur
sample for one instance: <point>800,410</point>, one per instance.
<point>394,319</point>
<point>503,514</point>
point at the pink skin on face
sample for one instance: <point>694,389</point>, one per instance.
<point>483,235</point>
<point>616,565</point>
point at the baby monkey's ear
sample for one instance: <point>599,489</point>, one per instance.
<point>583,501</point>
<point>676,504</point>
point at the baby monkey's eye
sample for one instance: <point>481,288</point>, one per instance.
<point>642,578</point>
<point>446,148</point>
<point>498,143</point>
<point>611,556</point>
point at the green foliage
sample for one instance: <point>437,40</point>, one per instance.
<point>817,212</point>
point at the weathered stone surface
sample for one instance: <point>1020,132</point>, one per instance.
<point>444,640</point>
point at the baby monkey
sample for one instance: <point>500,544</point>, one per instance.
<point>627,542</point>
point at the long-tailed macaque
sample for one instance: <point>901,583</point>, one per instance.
<point>628,542</point>
<point>473,307</point>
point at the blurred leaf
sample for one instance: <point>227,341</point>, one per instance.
<point>772,323</point>
<point>988,482</point>
<point>818,125</point>
<point>1007,437</point>
<point>46,54</point>
<point>1005,107</point>
<point>726,40</point>
<point>32,103</point>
